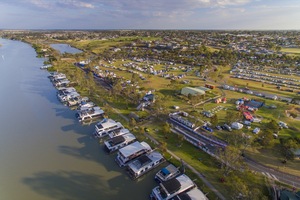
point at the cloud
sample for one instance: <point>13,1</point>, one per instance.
<point>66,4</point>
<point>137,5</point>
<point>74,4</point>
<point>41,3</point>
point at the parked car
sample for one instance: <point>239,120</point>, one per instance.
<point>256,130</point>
<point>207,128</point>
<point>227,127</point>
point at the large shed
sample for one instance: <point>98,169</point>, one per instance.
<point>193,91</point>
<point>205,89</point>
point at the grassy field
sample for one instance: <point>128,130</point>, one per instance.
<point>294,51</point>
<point>257,86</point>
<point>98,46</point>
<point>273,158</point>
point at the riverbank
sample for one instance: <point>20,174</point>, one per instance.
<point>45,153</point>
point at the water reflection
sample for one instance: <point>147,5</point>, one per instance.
<point>71,185</point>
<point>65,48</point>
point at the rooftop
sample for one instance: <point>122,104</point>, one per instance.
<point>134,148</point>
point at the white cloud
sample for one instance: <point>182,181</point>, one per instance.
<point>40,3</point>
<point>53,4</point>
<point>74,4</point>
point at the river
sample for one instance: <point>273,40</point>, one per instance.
<point>44,152</point>
<point>65,48</point>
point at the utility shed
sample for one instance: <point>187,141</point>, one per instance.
<point>193,91</point>
<point>205,89</point>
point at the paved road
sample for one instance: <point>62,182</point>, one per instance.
<point>274,174</point>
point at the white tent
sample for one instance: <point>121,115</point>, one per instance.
<point>236,125</point>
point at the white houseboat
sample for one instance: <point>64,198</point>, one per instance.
<point>64,94</point>
<point>90,114</point>
<point>77,101</point>
<point>61,82</point>
<point>132,151</point>
<point>169,189</point>
<point>118,132</point>
<point>57,76</point>
<point>106,126</point>
<point>144,164</point>
<point>167,173</point>
<point>115,143</point>
<point>85,105</point>
<point>67,97</point>
<point>62,91</point>
<point>193,194</point>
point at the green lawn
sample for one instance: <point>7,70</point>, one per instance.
<point>294,51</point>
<point>272,158</point>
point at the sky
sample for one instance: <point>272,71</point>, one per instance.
<point>150,14</point>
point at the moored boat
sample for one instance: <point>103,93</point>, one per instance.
<point>132,151</point>
<point>106,126</point>
<point>92,113</point>
<point>169,189</point>
<point>113,144</point>
<point>193,194</point>
<point>167,173</point>
<point>144,164</point>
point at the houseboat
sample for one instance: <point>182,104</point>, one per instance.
<point>144,164</point>
<point>77,101</point>
<point>85,105</point>
<point>118,132</point>
<point>90,114</point>
<point>63,92</point>
<point>61,82</point>
<point>115,143</point>
<point>132,151</point>
<point>167,173</point>
<point>106,126</point>
<point>67,97</point>
<point>57,76</point>
<point>193,194</point>
<point>169,189</point>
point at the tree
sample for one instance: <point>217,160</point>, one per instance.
<point>163,146</point>
<point>194,99</point>
<point>166,128</point>
<point>90,82</point>
<point>241,189</point>
<point>232,116</point>
<point>272,126</point>
<point>230,159</point>
<point>266,137</point>
<point>132,123</point>
<point>135,78</point>
<point>278,48</point>
<point>160,106</point>
<point>180,138</point>
<point>214,120</point>
<point>117,88</point>
<point>288,146</point>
